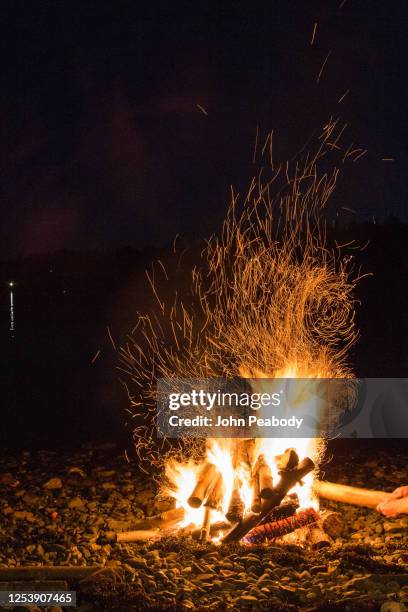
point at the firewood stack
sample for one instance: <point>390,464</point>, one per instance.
<point>274,514</point>
<point>268,496</point>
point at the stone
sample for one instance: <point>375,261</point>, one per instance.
<point>31,500</point>
<point>137,562</point>
<point>52,484</point>
<point>108,486</point>
<point>392,526</point>
<point>76,503</point>
<point>246,599</point>
<point>22,515</point>
<point>77,472</point>
<point>393,606</point>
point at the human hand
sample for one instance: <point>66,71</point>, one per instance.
<point>395,503</point>
<point>400,492</point>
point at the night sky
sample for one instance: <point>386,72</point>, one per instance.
<point>103,141</point>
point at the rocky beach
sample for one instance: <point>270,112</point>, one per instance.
<point>63,509</point>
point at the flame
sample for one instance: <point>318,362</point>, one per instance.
<point>183,479</point>
<point>182,476</point>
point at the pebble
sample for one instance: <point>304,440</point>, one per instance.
<point>246,599</point>
<point>76,503</point>
<point>393,606</point>
<point>22,515</point>
<point>53,483</point>
<point>392,526</point>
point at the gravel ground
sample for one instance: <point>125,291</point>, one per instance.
<point>58,508</point>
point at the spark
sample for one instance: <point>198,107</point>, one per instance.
<point>363,152</point>
<point>95,357</point>
<point>256,144</point>
<point>322,68</point>
<point>314,34</point>
<point>340,100</point>
<point>111,339</point>
<point>202,109</point>
<point>268,294</point>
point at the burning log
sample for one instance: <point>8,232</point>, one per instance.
<point>262,483</point>
<point>236,506</point>
<point>270,531</point>
<point>332,523</point>
<point>288,478</point>
<point>244,453</point>
<point>287,460</point>
<point>349,495</point>
<point>207,474</point>
<point>284,510</point>
<point>242,459</point>
<point>256,501</point>
<point>319,535</point>
<point>205,529</point>
<point>317,538</point>
<point>265,479</point>
<point>213,502</point>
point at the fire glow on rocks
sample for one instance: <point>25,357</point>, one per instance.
<point>271,300</point>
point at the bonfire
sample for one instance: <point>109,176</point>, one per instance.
<point>271,300</point>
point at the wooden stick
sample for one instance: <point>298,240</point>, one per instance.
<point>205,478</point>
<point>332,523</point>
<point>349,495</point>
<point>265,479</point>
<point>205,529</point>
<point>47,572</point>
<point>287,460</point>
<point>256,501</point>
<point>244,453</point>
<point>270,531</point>
<point>287,480</point>
<point>237,506</point>
<point>137,536</point>
<point>212,502</point>
<point>317,538</point>
<point>163,520</point>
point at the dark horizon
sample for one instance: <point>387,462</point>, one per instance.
<point>179,243</point>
